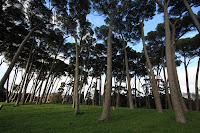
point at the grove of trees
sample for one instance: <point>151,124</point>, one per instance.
<point>62,57</point>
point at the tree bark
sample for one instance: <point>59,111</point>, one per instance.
<point>179,115</point>
<point>196,85</point>
<point>15,58</point>
<point>106,106</point>
<point>128,77</point>
<point>76,80</point>
<point>7,97</point>
<point>183,105</point>
<point>196,22</point>
<point>152,77</point>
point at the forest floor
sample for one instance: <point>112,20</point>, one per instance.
<point>60,118</point>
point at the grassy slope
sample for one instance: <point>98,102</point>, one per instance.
<point>57,118</point>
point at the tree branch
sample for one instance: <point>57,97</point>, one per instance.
<point>159,3</point>
<point>168,3</point>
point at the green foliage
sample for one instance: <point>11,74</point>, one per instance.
<point>188,47</point>
<point>60,118</point>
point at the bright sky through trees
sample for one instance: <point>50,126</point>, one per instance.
<point>150,25</point>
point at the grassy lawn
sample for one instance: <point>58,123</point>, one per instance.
<point>58,118</point>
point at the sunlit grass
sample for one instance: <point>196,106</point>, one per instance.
<point>57,118</point>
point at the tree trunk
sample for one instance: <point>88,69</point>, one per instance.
<point>15,58</point>
<point>45,87</point>
<point>175,100</point>
<point>135,92</point>
<point>49,88</point>
<point>167,97</point>
<point>22,83</point>
<point>52,86</point>
<point>38,98</point>
<point>196,85</point>
<point>100,91</point>
<point>51,69</point>
<point>76,80</point>
<point>106,107</point>
<point>187,84</point>
<point>28,78</point>
<point>152,77</point>
<point>7,97</point>
<point>20,89</point>
<point>13,84</point>
<point>128,77</point>
<point>196,22</point>
<point>29,94</point>
<point>168,100</point>
<point>36,84</point>
<point>183,105</point>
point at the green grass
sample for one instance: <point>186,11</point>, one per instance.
<point>58,118</point>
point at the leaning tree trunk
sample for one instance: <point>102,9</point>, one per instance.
<point>130,99</point>
<point>106,106</point>
<point>179,114</point>
<point>7,97</point>
<point>26,84</point>
<point>51,69</point>
<point>187,84</point>
<point>49,88</point>
<point>39,91</point>
<point>15,58</point>
<point>35,85</point>
<point>196,22</point>
<point>28,77</point>
<point>152,77</point>
<point>183,105</point>
<point>196,85</point>
<point>45,87</point>
<point>52,87</point>
<point>13,84</point>
<point>20,90</point>
<point>23,80</point>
